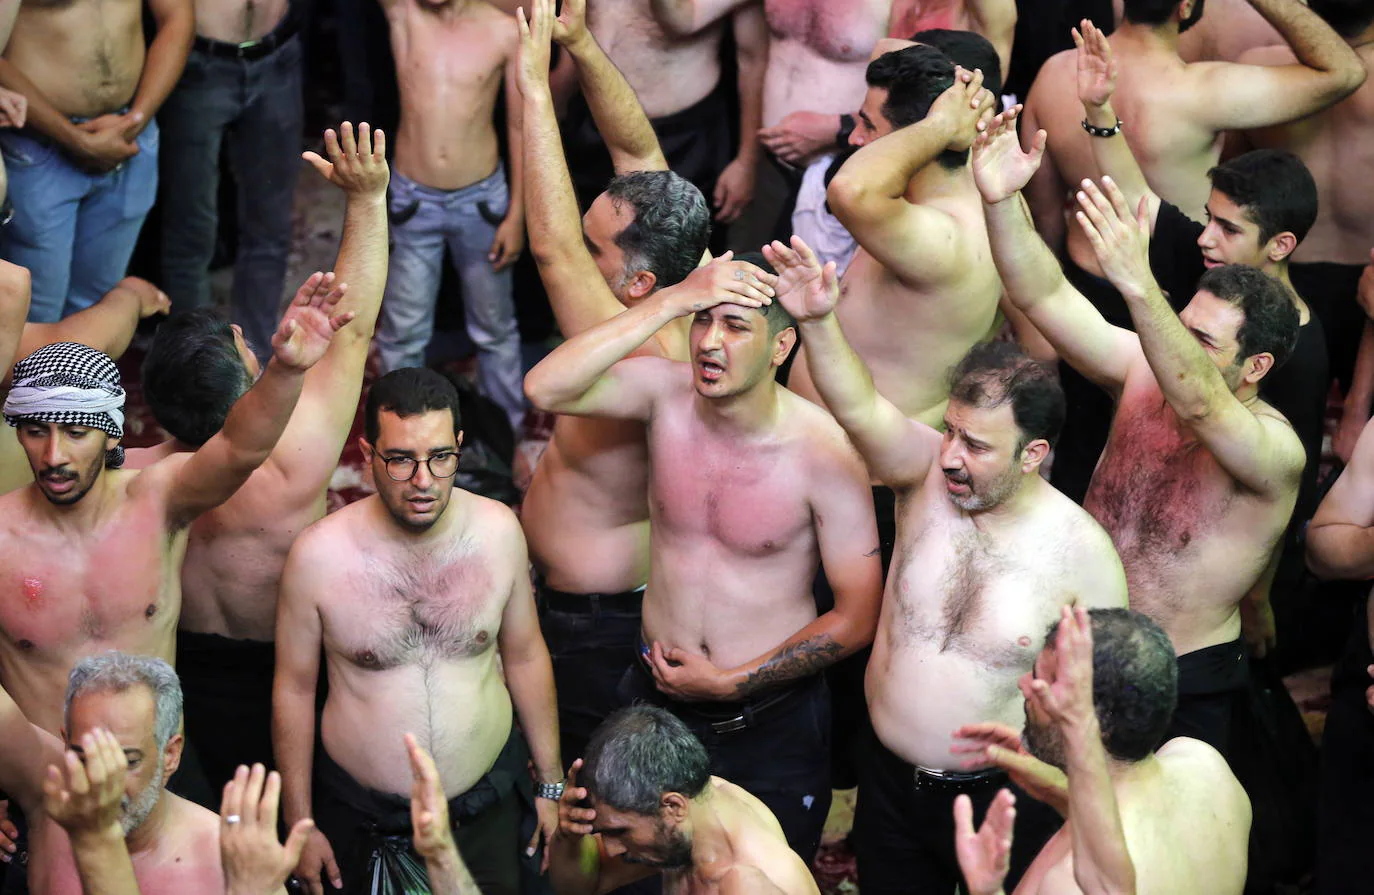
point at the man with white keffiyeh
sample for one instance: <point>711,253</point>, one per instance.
<point>90,554</point>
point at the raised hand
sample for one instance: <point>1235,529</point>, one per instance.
<point>84,795</point>
<point>721,282</point>
<point>806,289</point>
<point>356,166</point>
<point>574,819</point>
<point>428,808</point>
<point>984,856</point>
<point>1064,692</point>
<point>1000,168</point>
<point>571,25</point>
<point>536,32</point>
<point>963,109</point>
<point>1096,66</point>
<point>309,324</point>
<point>254,861</point>
<point>1120,239</point>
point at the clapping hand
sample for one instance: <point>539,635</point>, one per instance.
<point>806,289</point>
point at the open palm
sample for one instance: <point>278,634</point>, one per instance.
<point>1000,168</point>
<point>806,289</point>
<point>309,324</point>
<point>984,856</point>
<point>1096,66</point>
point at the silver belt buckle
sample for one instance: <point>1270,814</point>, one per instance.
<point>730,726</point>
<point>246,45</point>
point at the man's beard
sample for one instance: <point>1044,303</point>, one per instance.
<point>990,494</point>
<point>133,812</point>
<point>673,851</point>
<point>1044,742</point>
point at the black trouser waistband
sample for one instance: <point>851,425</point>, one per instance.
<point>588,604</point>
<point>252,50</point>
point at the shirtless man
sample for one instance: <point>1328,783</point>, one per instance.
<point>83,171</point>
<point>174,843</point>
<point>751,491</point>
<point>972,585</point>
<point>646,803</point>
<point>450,188</point>
<point>677,79</point>
<point>242,91</point>
<point>586,514</point>
<point>1199,476</point>
<point>921,290</point>
<point>1138,817</point>
<point>413,593</point>
<point>193,373</point>
<point>91,554</point>
<point>1174,113</point>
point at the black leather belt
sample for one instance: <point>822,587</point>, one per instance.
<point>731,717</point>
<point>953,781</point>
<point>250,50</point>
<point>628,601</point>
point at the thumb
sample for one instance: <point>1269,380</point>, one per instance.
<point>296,840</point>
<point>719,194</point>
<point>319,163</point>
<point>533,845</point>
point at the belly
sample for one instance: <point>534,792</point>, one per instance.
<point>801,80</point>
<point>459,710</point>
<point>86,57</point>
<point>918,695</point>
<point>667,75</point>
<point>447,138</point>
<point>233,21</point>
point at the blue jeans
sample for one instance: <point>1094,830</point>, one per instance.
<point>72,229</point>
<point>255,108</point>
<point>423,221</point>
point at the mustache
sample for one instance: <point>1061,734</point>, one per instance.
<point>962,478</point>
<point>61,473</point>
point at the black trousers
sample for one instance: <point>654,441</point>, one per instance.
<point>904,832</point>
<point>1213,683</point>
<point>227,688</point>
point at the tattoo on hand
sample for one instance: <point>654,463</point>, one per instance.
<point>792,662</point>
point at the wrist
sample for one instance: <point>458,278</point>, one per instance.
<point>580,45</point>
<point>1103,116</point>
<point>97,837</point>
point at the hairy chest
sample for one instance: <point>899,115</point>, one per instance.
<point>842,30</point>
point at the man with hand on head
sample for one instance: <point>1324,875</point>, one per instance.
<point>760,489</point>
<point>643,802</point>
<point>988,553</point>
<point>1138,817</point>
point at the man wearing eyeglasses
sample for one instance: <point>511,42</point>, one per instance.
<point>408,592</point>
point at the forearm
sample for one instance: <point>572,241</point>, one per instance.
<point>572,369</point>
<point>293,744</point>
<point>103,863</point>
<point>616,110</point>
<point>1360,398</point>
<point>1340,551</point>
<point>448,875</point>
<point>1113,155</point>
<point>883,169</point>
<point>1189,380</point>
<point>530,681</point>
<point>14,310</point>
<point>165,60</point>
<point>814,648</point>
<point>257,420</point>
<point>839,374</point>
<point>574,864</point>
<point>1313,42</point>
<point>751,65</point>
<point>515,138</point>
<point>1028,268</point>
<point>551,212</point>
<point>1101,862</point>
<point>41,115</point>
<point>362,263</point>
<point>108,325</point>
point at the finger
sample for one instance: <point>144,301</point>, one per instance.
<point>232,803</point>
<point>533,845</point>
<point>349,143</point>
<point>332,868</point>
<point>76,774</point>
<point>308,288</point>
<point>963,816</point>
<point>521,23</point>
<point>252,793</point>
<point>804,253</point>
<point>268,804</point>
<point>339,321</point>
<point>1077,38</point>
<point>379,145</point>
<point>331,145</point>
<point>1117,199</point>
<point>315,886</point>
<point>364,138</point>
<point>297,838</point>
<point>577,766</point>
<point>319,164</point>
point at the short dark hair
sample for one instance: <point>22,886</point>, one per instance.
<point>671,224</point>
<point>409,392</point>
<point>1157,12</point>
<point>1271,318</point>
<point>914,77</point>
<point>193,374</point>
<point>640,753</point>
<point>993,373</point>
<point>1346,17</point>
<point>1275,189</point>
<point>777,316</point>
<point>1135,681</point>
<point>967,50</point>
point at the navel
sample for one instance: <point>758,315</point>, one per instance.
<point>26,645</point>
<point>150,611</point>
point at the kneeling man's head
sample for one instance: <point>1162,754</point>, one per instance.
<point>1005,412</point>
<point>642,770</point>
<point>646,232</point>
<point>1135,687</point>
<point>1246,321</point>
<point>413,431</point>
<point>138,699</point>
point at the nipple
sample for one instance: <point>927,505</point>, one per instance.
<point>482,636</point>
<point>1023,640</point>
<point>150,611</point>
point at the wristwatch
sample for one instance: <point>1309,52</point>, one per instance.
<point>551,791</point>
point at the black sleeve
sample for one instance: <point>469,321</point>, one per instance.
<point>1175,258</point>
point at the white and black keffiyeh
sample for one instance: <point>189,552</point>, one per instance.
<point>72,385</point>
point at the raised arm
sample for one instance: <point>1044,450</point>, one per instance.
<point>898,450</point>
<point>1033,279</point>
<point>300,634</point>
<point>577,865</point>
<point>687,17</point>
<point>15,289</point>
<point>107,325</point>
<point>735,185</point>
<point>83,795</point>
<point>432,832</point>
<point>996,21</point>
<point>1097,72</point>
<point>1340,537</point>
<point>588,375</point>
<point>577,292</point>
<point>308,450</point>
<point>213,473</point>
<point>1242,96</point>
<point>529,677</point>
<point>868,195</point>
<point>613,104</point>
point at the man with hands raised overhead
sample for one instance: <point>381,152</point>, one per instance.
<point>988,553</point>
<point>752,489</point>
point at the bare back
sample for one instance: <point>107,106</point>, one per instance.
<point>1192,539</point>
<point>1186,820</point>
<point>967,605</point>
<point>65,594</point>
<point>818,52</point>
<point>410,634</point>
<point>668,73</point>
<point>85,56</point>
<point>449,68</point>
<point>235,21</point>
<point>1335,144</point>
<point>734,524</point>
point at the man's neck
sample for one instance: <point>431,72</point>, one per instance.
<point>755,410</point>
<point>81,516</point>
<point>710,839</point>
<point>1015,507</point>
<point>1279,271</point>
<point>1148,38</point>
<point>149,833</point>
<point>453,9</point>
<point>935,180</point>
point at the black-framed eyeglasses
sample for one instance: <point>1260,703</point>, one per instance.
<point>441,466</point>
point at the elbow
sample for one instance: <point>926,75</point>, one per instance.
<point>1319,560</point>
<point>846,195</point>
<point>1353,75</point>
<point>540,389</point>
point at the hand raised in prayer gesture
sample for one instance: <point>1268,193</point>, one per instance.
<point>1120,239</point>
<point>254,860</point>
<point>1097,68</point>
<point>356,166</point>
<point>1000,168</point>
<point>984,856</point>
<point>806,289</point>
<point>309,324</point>
<point>84,794</point>
<point>536,34</point>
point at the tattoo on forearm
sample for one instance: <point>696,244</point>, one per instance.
<point>794,661</point>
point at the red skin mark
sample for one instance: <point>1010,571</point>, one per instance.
<point>33,592</point>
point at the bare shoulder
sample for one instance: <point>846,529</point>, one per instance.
<point>1052,73</point>
<point>826,443</point>
<point>328,536</point>
<point>492,517</point>
<point>501,23</point>
<point>747,879</point>
<point>1201,769</point>
<point>197,830</point>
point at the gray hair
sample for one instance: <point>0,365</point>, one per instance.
<point>117,672</point>
<point>638,754</point>
<point>671,224</point>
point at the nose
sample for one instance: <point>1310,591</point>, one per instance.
<point>951,457</point>
<point>1208,239</point>
<point>54,450</point>
<point>422,478</point>
<point>856,139</point>
<point>711,340</point>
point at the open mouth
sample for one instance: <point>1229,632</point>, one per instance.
<point>710,370</point>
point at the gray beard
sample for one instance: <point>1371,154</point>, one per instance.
<point>133,812</point>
